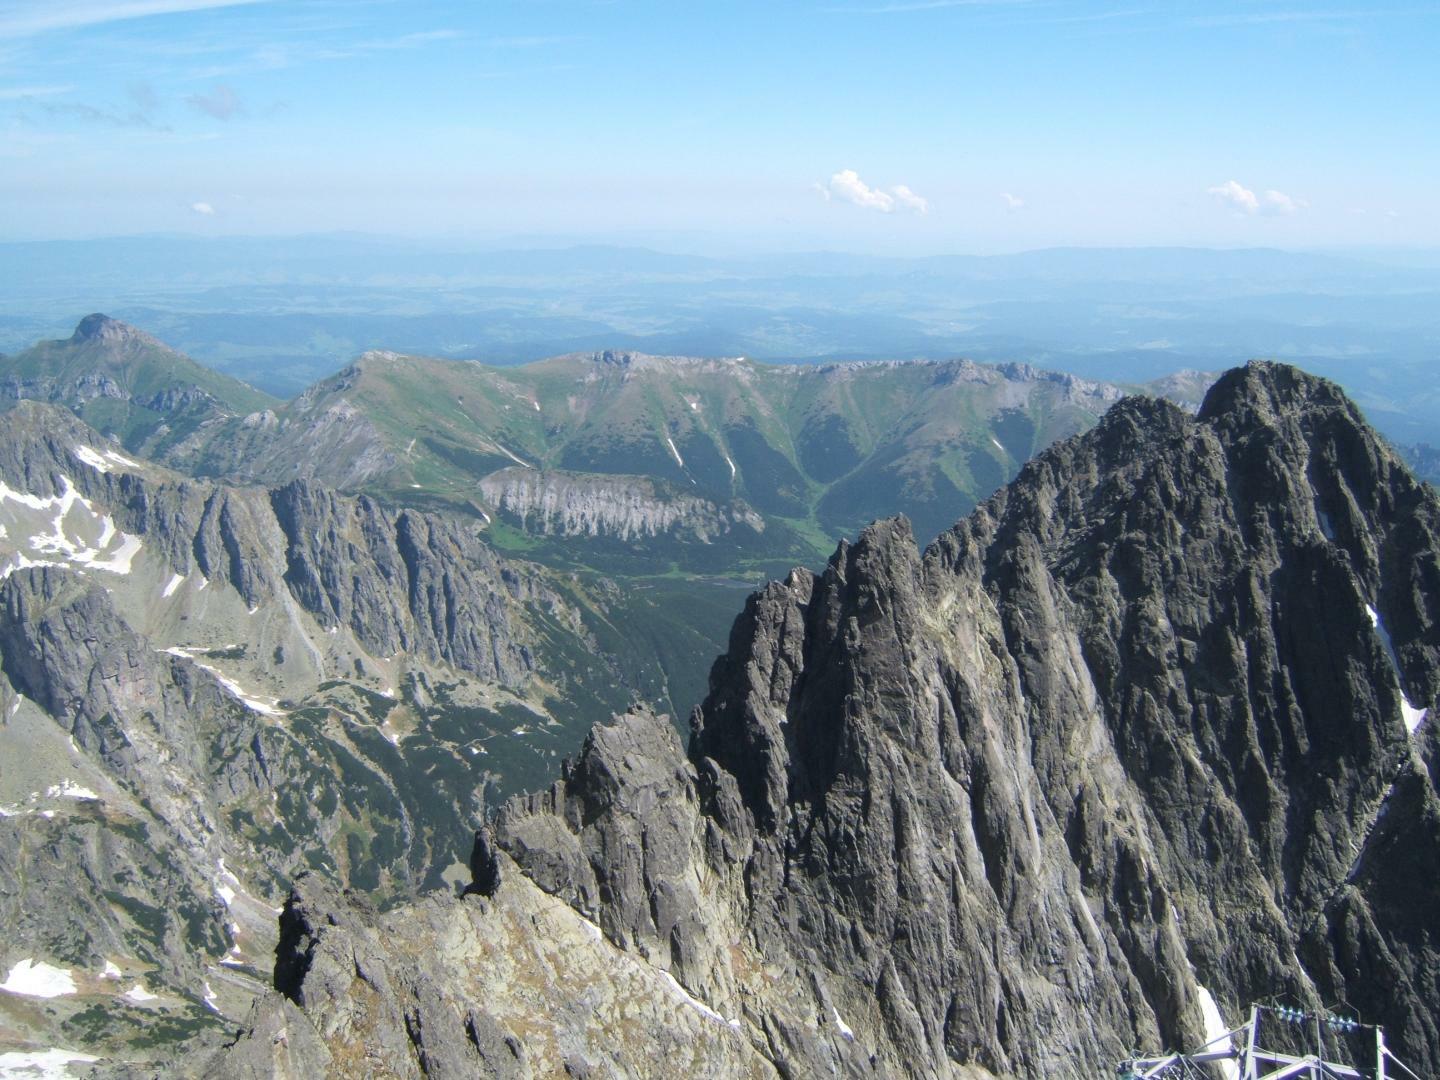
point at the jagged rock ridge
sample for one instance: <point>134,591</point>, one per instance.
<point>205,690</point>
<point>1151,727</point>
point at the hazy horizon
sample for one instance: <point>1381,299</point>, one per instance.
<point>904,127</point>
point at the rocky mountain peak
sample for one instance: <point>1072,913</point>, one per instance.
<point>1082,731</point>
<point>1263,392</point>
<point>102,329</point>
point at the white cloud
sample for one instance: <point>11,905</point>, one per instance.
<point>907,198</point>
<point>37,16</point>
<point>203,208</point>
<point>1277,202</point>
<point>847,186</point>
<point>1241,198</point>
<point>1012,202</point>
<point>1245,201</point>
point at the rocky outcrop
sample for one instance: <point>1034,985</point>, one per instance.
<point>625,508</point>
<point>131,385</point>
<point>406,581</point>
<point>507,987</point>
<point>206,690</point>
<point>1148,733</point>
<point>1150,730</point>
<point>399,581</point>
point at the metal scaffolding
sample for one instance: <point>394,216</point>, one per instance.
<point>1239,1054</point>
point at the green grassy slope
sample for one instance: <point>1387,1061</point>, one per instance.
<point>818,451</point>
<point>126,384</point>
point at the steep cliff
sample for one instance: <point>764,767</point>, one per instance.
<point>206,690</point>
<point>1145,737</point>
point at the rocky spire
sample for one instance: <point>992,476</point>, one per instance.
<point>102,329</point>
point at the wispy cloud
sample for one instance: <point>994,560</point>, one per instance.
<point>222,103</point>
<point>899,7</point>
<point>534,41</point>
<point>26,17</point>
<point>1264,18</point>
<point>1241,199</point>
<point>395,44</point>
<point>92,114</point>
<point>1012,202</point>
<point>204,209</point>
<point>25,93</point>
<point>846,186</point>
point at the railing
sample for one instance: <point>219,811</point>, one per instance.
<point>1240,1055</point>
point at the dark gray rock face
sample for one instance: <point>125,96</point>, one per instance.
<point>180,751</point>
<point>1147,733</point>
<point>398,580</point>
<point>1126,736</point>
<point>404,580</point>
<point>206,690</point>
<point>613,835</point>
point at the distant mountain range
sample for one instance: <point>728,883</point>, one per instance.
<point>249,644</point>
<point>1146,738</point>
<point>719,463</point>
<point>121,380</point>
<point>283,313</point>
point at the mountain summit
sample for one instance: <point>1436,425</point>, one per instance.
<point>1147,737</point>
<point>102,329</point>
<point>129,386</point>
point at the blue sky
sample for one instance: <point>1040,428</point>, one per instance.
<point>890,125</point>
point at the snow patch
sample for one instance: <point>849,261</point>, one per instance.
<point>1215,1030</point>
<point>227,885</point>
<point>176,580</point>
<point>997,444</point>
<point>1412,716</point>
<point>66,531</point>
<point>111,971</point>
<point>678,459</point>
<point>93,459</point>
<point>732,466</point>
<point>210,999</point>
<point>139,995</point>
<point>1409,714</point>
<point>38,980</point>
<point>250,701</point>
<point>518,461</point>
<point>42,1064</point>
<point>68,789</point>
<point>841,1026</point>
<point>695,1003</point>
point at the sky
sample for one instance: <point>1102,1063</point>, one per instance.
<point>897,126</point>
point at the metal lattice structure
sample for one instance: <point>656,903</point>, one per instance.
<point>1240,1054</point>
